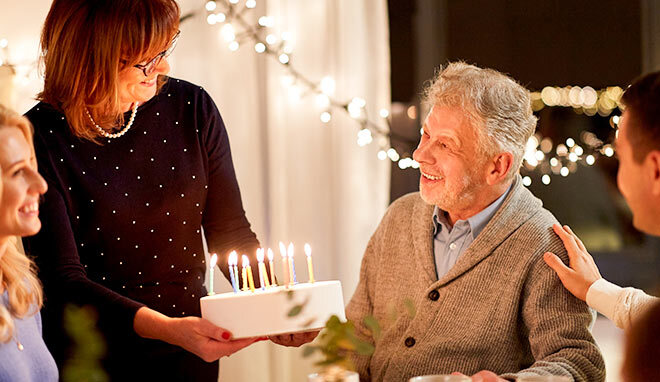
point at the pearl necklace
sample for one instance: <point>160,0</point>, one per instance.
<point>119,134</point>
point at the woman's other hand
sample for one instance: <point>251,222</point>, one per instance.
<point>582,270</point>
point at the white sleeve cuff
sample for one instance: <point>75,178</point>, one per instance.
<point>602,296</point>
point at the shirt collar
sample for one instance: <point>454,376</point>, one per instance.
<point>477,222</point>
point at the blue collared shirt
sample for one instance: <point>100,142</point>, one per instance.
<point>449,243</point>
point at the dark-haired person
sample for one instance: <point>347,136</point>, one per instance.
<point>638,150</point>
<point>138,167</point>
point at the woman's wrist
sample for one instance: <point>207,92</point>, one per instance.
<point>151,324</point>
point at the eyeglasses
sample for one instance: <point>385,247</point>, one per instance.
<point>151,65</point>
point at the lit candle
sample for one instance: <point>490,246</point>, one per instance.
<point>235,266</point>
<point>214,260</point>
<point>233,259</point>
<point>272,270</point>
<point>262,269</point>
<point>246,260</point>
<point>292,265</point>
<point>244,272</point>
<point>310,268</point>
<point>285,262</point>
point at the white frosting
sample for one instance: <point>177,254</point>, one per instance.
<point>263,313</point>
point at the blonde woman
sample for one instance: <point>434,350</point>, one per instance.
<point>23,353</point>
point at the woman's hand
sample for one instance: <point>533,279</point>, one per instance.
<point>294,339</point>
<point>583,270</point>
<point>201,337</point>
<point>194,334</point>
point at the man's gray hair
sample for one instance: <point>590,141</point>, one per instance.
<point>498,108</point>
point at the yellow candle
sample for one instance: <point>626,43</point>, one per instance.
<point>310,267</point>
<point>272,270</point>
<point>263,276</point>
<point>285,266</point>
<point>244,272</point>
<point>246,260</point>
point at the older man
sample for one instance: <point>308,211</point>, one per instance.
<point>638,147</point>
<point>467,251</point>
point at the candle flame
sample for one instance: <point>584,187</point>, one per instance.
<point>308,250</point>
<point>290,250</point>
<point>246,261</point>
<point>233,258</point>
<point>282,249</point>
<point>214,260</point>
<point>260,255</point>
<point>270,254</point>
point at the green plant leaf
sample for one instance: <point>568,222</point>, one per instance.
<point>364,348</point>
<point>410,307</point>
<point>289,294</point>
<point>372,324</point>
<point>295,310</point>
<point>333,323</point>
<point>309,350</point>
<point>309,322</point>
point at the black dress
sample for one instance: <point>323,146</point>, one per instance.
<point>122,225</point>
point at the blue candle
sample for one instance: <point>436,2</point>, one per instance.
<point>233,257</point>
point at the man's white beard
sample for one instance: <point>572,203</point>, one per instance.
<point>457,199</point>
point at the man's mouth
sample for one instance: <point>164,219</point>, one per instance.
<point>431,177</point>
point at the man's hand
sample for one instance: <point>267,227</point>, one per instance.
<point>484,376</point>
<point>294,339</point>
<point>582,272</point>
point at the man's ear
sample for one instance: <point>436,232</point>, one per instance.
<point>653,171</point>
<point>499,167</point>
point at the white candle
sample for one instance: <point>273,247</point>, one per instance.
<point>310,267</point>
<point>285,266</point>
<point>262,269</point>
<point>272,269</point>
<point>214,261</point>
<point>292,265</point>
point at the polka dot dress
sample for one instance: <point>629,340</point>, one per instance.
<point>122,219</point>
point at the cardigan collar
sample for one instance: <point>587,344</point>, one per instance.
<point>519,205</point>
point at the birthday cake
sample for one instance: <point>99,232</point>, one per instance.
<point>275,310</point>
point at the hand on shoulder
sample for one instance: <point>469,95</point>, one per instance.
<point>582,271</point>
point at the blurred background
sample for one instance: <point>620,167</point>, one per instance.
<point>322,104</point>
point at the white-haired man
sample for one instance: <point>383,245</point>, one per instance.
<point>467,250</point>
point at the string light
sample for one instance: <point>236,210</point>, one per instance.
<point>235,29</point>
<point>540,154</point>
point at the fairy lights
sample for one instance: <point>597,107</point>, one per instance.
<point>232,18</point>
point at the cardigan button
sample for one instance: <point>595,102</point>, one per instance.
<point>410,342</point>
<point>434,295</point>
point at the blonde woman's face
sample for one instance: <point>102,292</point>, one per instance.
<point>21,185</point>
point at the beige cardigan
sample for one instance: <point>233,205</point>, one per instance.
<point>499,308</point>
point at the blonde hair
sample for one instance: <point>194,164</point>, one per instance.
<point>18,274</point>
<point>499,109</point>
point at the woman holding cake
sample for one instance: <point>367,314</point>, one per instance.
<point>23,353</point>
<point>136,164</point>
